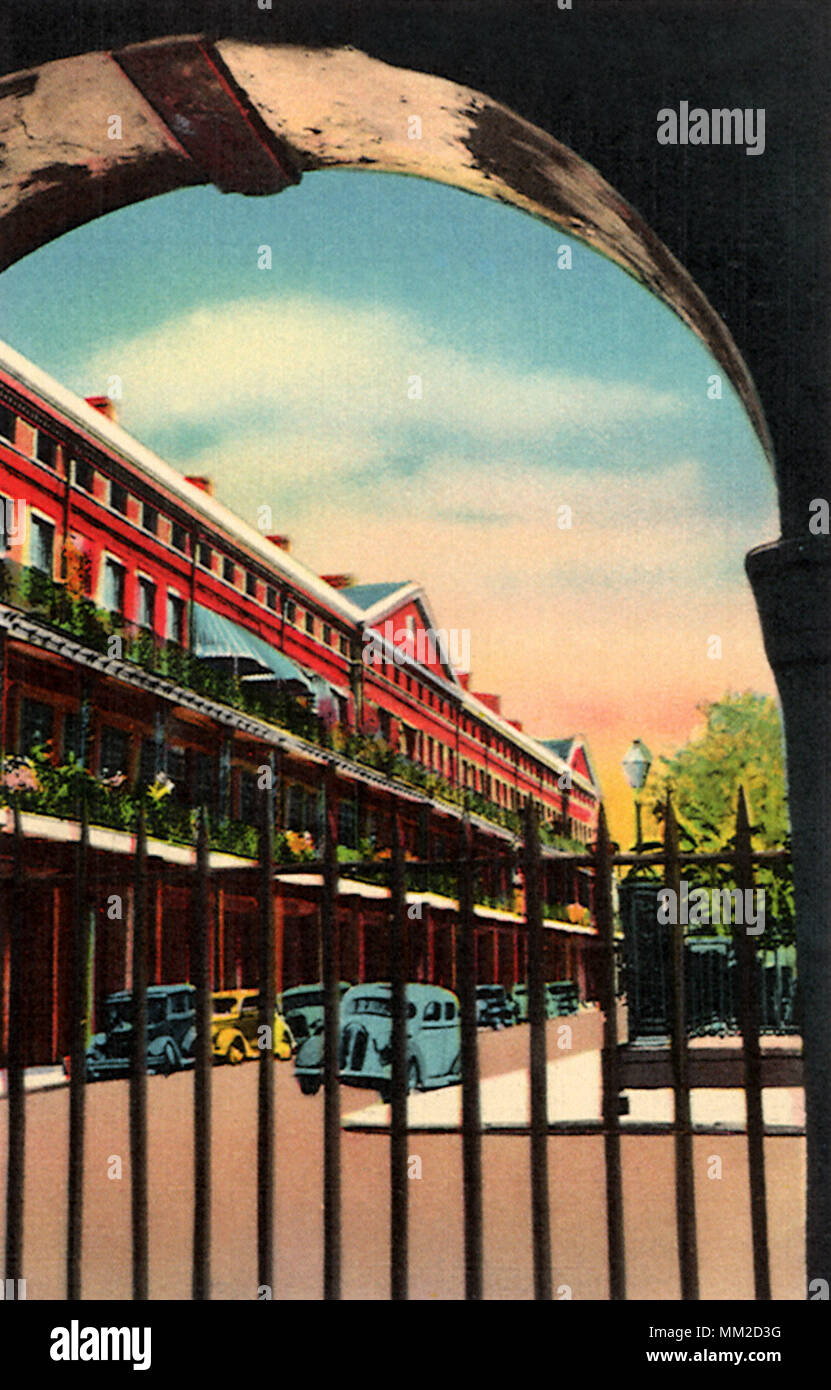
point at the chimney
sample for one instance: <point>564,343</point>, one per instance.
<point>517,724</point>
<point>199,480</point>
<point>338,581</point>
<point>493,702</point>
<point>464,679</point>
<point>281,542</point>
<point>105,406</point>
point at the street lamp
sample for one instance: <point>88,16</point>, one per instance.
<point>636,764</point>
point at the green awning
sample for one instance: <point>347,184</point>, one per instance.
<point>220,639</point>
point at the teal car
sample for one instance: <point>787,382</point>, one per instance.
<point>302,1009</point>
<point>561,997</point>
<point>365,1055</point>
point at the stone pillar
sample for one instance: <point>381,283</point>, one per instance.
<point>791,582</point>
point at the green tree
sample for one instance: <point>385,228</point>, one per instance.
<point>741,744</point>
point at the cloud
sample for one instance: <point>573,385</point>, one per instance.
<point>350,369</point>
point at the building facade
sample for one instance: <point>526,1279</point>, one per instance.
<point>156,650</point>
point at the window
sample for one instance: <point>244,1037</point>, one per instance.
<point>113,751</point>
<point>204,780</point>
<point>73,735</point>
<point>43,544</point>
<point>177,772</point>
<point>150,519</point>
<point>149,763</point>
<point>84,475</point>
<point>112,585</point>
<point>229,571</point>
<point>327,634</point>
<point>178,537</point>
<point>36,724</point>
<point>175,619</point>
<point>118,498</point>
<point>291,610</point>
<point>205,555</point>
<point>46,449</point>
<point>146,616</point>
<point>271,596</point>
<point>248,808</point>
<point>310,623</point>
<point>250,584</point>
<point>450,1009</point>
<point>344,646</point>
<point>6,522</point>
<point>432,1012</point>
<point>347,824</point>
<point>8,419</point>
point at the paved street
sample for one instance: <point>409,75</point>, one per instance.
<point>576,1178</point>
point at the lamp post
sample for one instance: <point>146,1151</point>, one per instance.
<point>636,764</point>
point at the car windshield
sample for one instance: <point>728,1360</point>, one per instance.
<point>303,999</point>
<point>120,1011</point>
<point>370,1004</point>
<point>225,1005</point>
<point>489,991</point>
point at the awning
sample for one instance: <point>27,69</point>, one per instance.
<point>219,639</point>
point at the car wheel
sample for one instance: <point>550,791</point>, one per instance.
<point>235,1053</point>
<point>171,1061</point>
<point>309,1085</point>
<point>413,1078</point>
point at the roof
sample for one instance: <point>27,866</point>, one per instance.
<point>365,596</point>
<point>560,746</point>
<point>219,637</point>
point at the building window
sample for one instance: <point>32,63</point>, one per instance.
<point>250,584</point>
<point>150,519</point>
<point>72,735</point>
<point>84,475</point>
<point>175,619</point>
<point>327,634</point>
<point>347,824</point>
<point>344,646</point>
<point>205,555</point>
<point>248,809</point>
<point>178,537</point>
<point>310,623</point>
<point>229,572</point>
<point>177,772</point>
<point>8,419</point>
<point>43,544</point>
<point>36,724</point>
<point>118,498</point>
<point>6,522</point>
<point>46,449</point>
<point>146,616</point>
<point>113,753</point>
<point>291,611</point>
<point>112,586</point>
<point>148,760</point>
<point>204,780</point>
<point>271,596</point>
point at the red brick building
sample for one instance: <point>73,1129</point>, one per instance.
<point>149,638</point>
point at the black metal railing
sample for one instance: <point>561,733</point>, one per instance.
<point>601,860</point>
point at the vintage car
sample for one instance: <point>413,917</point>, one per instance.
<point>433,1041</point>
<point>561,997</point>
<point>171,1032</point>
<point>303,1009</point>
<point>494,1007</point>
<point>235,1027</point>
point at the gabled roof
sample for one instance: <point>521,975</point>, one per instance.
<point>565,748</point>
<point>365,596</point>
<point>561,746</point>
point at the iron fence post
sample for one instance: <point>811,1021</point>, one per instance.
<point>399,1231</point>
<point>138,1071</point>
<point>265,1074</point>
<point>200,967</point>
<point>467,969</point>
<point>78,1060</point>
<point>749,1021</point>
<point>604,920</point>
<point>684,1171</point>
<point>331,1041</point>
<point>540,1201</point>
<point>16,1150</point>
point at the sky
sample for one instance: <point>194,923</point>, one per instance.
<point>421,388</point>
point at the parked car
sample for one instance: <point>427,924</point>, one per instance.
<point>433,1041</point>
<point>494,1007</point>
<point>235,1025</point>
<point>171,1032</point>
<point>561,997</point>
<point>303,1009</point>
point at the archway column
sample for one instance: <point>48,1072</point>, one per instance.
<point>791,582</point>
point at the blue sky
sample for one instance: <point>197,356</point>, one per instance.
<point>540,387</point>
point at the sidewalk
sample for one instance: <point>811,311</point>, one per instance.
<point>36,1079</point>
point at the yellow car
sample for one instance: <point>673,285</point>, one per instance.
<point>235,1027</point>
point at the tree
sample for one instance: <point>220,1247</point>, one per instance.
<point>741,745</point>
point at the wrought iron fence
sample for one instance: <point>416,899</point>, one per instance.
<point>601,860</point>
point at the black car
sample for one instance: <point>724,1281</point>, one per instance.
<point>171,1032</point>
<point>494,1007</point>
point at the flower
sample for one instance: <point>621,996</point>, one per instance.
<point>160,787</point>
<point>19,776</point>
